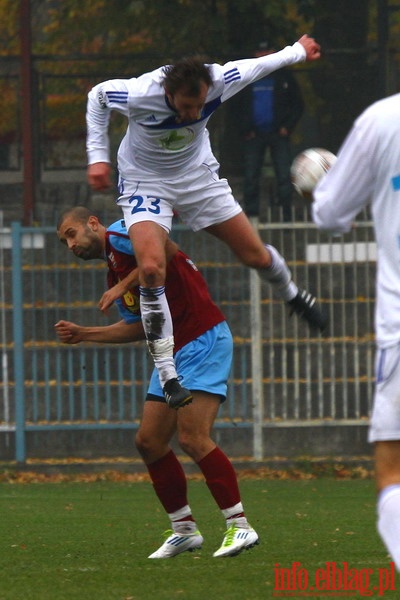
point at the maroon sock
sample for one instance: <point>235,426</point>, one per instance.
<point>169,482</point>
<point>221,478</point>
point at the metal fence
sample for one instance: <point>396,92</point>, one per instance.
<point>282,375</point>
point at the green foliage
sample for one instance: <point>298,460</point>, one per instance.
<point>90,34</point>
<point>8,110</point>
<point>172,28</point>
<point>9,27</point>
<point>91,27</point>
<point>82,28</point>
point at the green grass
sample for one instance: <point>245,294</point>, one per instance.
<point>90,541</point>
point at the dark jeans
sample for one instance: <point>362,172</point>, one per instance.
<point>281,157</point>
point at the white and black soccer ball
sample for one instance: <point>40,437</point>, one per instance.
<point>308,168</point>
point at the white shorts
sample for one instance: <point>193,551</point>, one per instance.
<point>200,198</point>
<point>385,418</point>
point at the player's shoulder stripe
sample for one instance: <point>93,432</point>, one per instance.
<point>232,75</point>
<point>115,96</point>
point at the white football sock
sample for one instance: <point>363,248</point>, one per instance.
<point>278,274</point>
<point>231,518</point>
<point>233,510</point>
<point>180,526</point>
<point>157,325</point>
<point>389,520</point>
<point>184,527</point>
<point>181,513</point>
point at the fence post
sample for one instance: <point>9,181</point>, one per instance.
<point>16,236</point>
<point>257,387</point>
<point>4,353</point>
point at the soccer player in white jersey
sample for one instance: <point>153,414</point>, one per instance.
<point>367,172</point>
<point>166,164</point>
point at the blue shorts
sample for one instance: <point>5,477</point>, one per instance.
<point>204,364</point>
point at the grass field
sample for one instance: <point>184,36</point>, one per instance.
<point>90,541</point>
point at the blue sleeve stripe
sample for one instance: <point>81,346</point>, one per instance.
<point>117,93</point>
<point>232,75</point>
<point>396,183</point>
<point>380,366</point>
<point>120,97</point>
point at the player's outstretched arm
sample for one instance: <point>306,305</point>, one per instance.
<point>68,332</point>
<point>117,333</point>
<point>313,50</point>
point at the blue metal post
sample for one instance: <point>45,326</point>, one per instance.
<point>16,233</point>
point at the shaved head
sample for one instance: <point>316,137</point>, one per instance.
<point>79,214</point>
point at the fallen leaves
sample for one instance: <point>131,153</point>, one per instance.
<point>305,472</point>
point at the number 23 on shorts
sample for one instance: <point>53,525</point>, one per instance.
<point>143,203</point>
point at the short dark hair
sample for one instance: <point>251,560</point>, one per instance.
<point>79,213</point>
<point>187,74</point>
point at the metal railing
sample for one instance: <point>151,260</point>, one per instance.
<point>282,375</point>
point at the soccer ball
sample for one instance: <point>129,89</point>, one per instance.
<point>308,168</point>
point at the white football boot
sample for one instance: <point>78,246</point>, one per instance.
<point>177,543</point>
<point>237,538</point>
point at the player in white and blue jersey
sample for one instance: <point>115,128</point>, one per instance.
<point>367,173</point>
<point>166,164</point>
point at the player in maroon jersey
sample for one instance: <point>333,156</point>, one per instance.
<point>203,354</point>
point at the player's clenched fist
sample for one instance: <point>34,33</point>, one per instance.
<point>99,176</point>
<point>313,50</point>
<point>68,332</point>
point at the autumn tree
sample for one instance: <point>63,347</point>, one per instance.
<point>78,42</point>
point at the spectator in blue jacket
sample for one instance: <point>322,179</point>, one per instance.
<point>272,107</point>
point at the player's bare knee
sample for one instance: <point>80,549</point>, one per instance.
<point>152,275</point>
<point>188,443</point>
<point>259,259</point>
<point>144,444</point>
<point>260,262</point>
<point>194,445</point>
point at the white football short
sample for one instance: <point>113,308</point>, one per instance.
<point>385,418</point>
<point>200,198</point>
